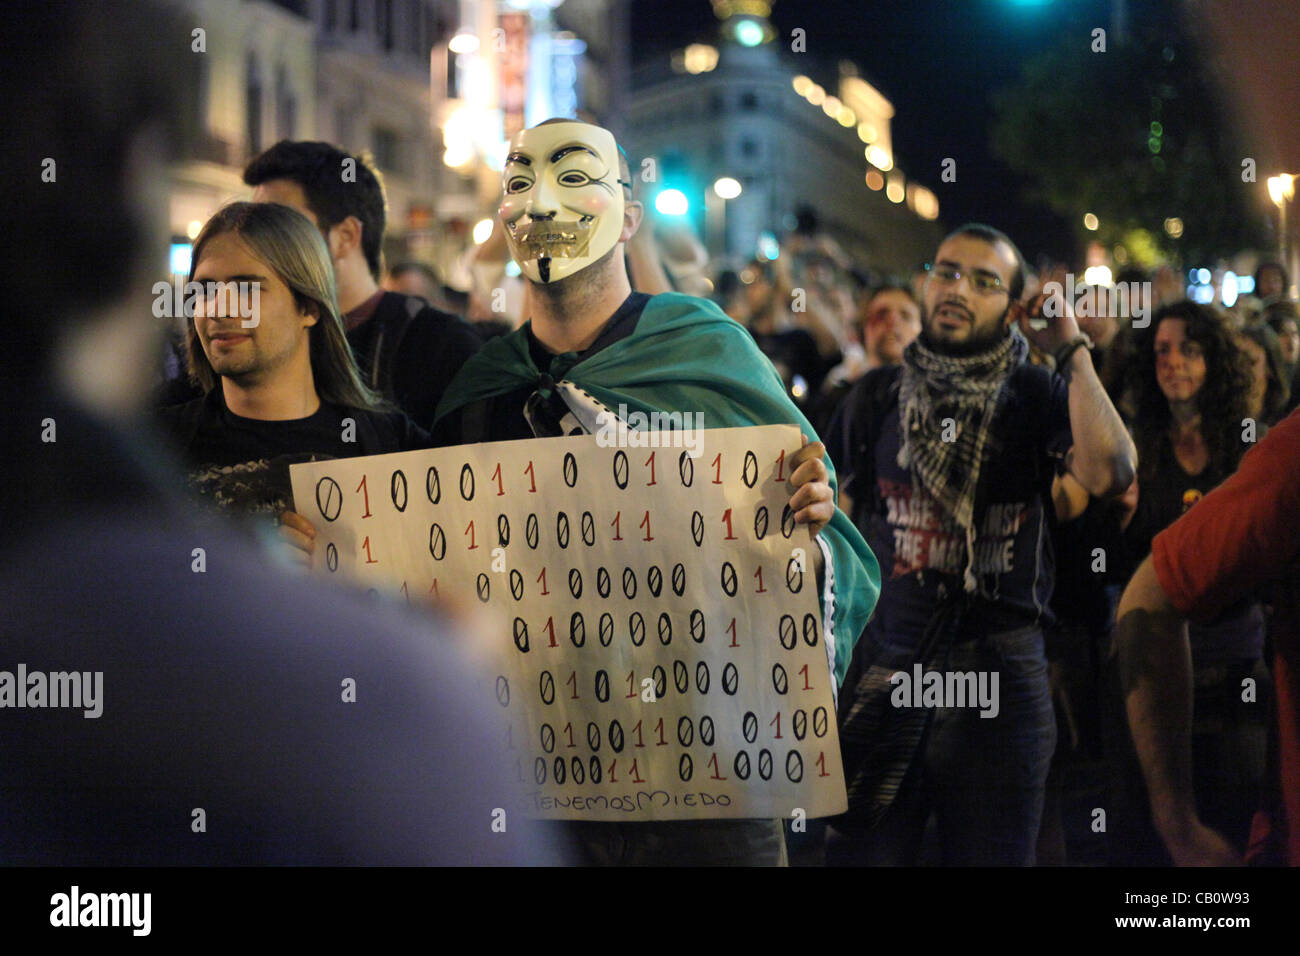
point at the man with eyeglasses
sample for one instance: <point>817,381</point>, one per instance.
<point>947,463</point>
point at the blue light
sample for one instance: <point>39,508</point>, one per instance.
<point>1203,276</point>
<point>749,33</point>
<point>1245,284</point>
<point>1230,288</point>
<point>180,258</point>
<point>768,247</point>
<point>671,202</point>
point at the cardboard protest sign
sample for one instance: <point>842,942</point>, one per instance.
<point>662,653</point>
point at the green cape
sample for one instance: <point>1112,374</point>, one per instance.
<point>687,355</point>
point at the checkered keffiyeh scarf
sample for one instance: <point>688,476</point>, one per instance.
<point>967,389</point>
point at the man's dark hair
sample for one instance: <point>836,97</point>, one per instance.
<point>891,285</point>
<point>403,267</point>
<point>83,84</point>
<point>1131,274</point>
<point>1281,270</point>
<point>318,168</point>
<point>993,237</point>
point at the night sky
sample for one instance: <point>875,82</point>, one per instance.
<point>937,61</point>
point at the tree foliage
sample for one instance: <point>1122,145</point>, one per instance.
<point>1134,135</point>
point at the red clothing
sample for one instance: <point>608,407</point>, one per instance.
<point>1243,535</point>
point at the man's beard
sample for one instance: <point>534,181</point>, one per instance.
<point>976,343</point>
<point>578,285</point>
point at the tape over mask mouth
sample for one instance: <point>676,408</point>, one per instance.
<point>546,239</point>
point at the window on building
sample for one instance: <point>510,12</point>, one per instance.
<point>286,105</point>
<point>343,127</point>
<point>354,15</point>
<point>387,151</point>
<point>384,11</point>
<point>716,104</point>
<point>331,15</point>
<point>253,106</point>
<point>748,148</point>
<point>748,101</point>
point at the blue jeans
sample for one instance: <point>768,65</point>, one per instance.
<point>984,778</point>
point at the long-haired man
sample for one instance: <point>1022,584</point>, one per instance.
<point>280,384</point>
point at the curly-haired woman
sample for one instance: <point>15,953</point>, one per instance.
<point>1192,388</point>
<point>1270,376</point>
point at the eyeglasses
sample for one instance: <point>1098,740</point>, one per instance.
<point>981,282</point>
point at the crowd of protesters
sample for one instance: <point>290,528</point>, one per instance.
<point>1021,475</point>
<point>1195,386</point>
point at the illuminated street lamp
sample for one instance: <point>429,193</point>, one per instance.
<point>727,188</point>
<point>715,213</point>
<point>463,42</point>
<point>1281,189</point>
<point>671,202</point>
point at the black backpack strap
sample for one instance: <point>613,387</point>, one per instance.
<point>874,401</point>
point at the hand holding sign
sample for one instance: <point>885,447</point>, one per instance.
<point>663,655</point>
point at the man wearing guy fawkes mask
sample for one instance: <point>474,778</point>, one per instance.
<point>948,461</point>
<point>592,345</point>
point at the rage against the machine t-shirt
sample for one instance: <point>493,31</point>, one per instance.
<point>921,547</point>
<point>242,464</point>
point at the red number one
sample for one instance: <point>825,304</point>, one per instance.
<point>366,492</point>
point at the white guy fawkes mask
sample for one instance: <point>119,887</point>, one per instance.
<point>563,202</point>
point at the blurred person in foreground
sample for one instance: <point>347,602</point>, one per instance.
<point>220,732</point>
<point>1238,538</point>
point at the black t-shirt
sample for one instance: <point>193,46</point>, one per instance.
<point>920,546</point>
<point>503,417</point>
<point>1163,498</point>
<point>242,464</point>
<point>426,358</point>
